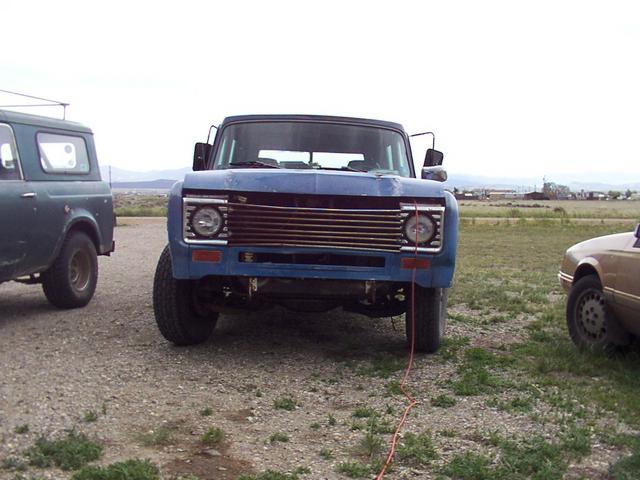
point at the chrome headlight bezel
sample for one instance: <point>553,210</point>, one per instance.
<point>436,215</point>
<point>193,204</point>
<point>419,237</point>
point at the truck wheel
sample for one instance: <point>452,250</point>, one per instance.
<point>590,321</point>
<point>175,308</point>
<point>430,317</point>
<point>71,281</point>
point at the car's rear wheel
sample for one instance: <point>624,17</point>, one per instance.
<point>429,310</point>
<point>178,315</point>
<point>71,281</point>
<point>590,321</point>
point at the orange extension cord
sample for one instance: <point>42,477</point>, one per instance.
<point>412,401</point>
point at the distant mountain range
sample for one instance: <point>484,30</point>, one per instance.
<point>164,179</point>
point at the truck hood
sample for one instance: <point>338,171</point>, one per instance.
<point>319,182</point>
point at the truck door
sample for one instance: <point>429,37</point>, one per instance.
<point>17,209</point>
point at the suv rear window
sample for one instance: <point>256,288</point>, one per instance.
<point>62,153</point>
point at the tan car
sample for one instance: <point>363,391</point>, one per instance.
<point>602,277</point>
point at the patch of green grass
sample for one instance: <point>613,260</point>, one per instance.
<point>133,469</point>
<point>163,435</point>
<point>69,453</point>
<point>469,466</point>
<point>90,416</point>
<point>393,388</point>
<point>213,436</point>
<point>443,401</point>
<point>448,433</point>
<point>314,426</point>
<point>476,373</point>
<point>258,393</point>
<point>364,412</point>
<point>206,412</point>
<point>517,404</point>
<point>417,449</point>
<point>331,420</point>
<point>628,467</point>
<point>451,346</point>
<point>14,464</point>
<point>383,366</point>
<point>274,475</point>
<point>21,429</point>
<point>326,453</point>
<point>278,437</point>
<point>370,445</point>
<point>353,469</point>
<point>141,212</point>
<point>284,403</point>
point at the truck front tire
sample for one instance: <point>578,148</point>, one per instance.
<point>176,314</point>
<point>429,310</point>
<point>71,280</point>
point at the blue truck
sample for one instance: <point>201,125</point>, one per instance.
<point>56,214</point>
<point>311,213</point>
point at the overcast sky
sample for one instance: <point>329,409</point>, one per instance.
<point>510,88</point>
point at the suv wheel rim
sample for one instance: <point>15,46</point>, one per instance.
<point>80,270</point>
<point>591,315</point>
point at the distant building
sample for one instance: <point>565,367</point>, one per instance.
<point>501,194</point>
<point>535,196</point>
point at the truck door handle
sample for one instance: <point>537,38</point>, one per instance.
<point>28,195</point>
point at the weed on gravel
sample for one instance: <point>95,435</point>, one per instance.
<point>274,475</point>
<point>163,435</point>
<point>285,403</point>
<point>69,453</point>
<point>278,437</point>
<point>21,429</point>
<point>213,436</point>
<point>14,464</point>
<point>443,401</point>
<point>90,416</point>
<point>206,412</point>
<point>134,469</point>
<point>417,449</point>
<point>353,469</point>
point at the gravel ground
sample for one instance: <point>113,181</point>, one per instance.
<point>110,358</point>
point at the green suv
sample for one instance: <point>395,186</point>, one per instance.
<point>56,214</point>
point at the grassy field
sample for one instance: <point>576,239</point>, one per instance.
<point>565,209</point>
<point>507,274</point>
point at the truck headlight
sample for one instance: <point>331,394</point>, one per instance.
<point>419,228</point>
<point>206,221</point>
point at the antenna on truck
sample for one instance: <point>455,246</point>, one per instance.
<point>50,103</point>
<point>433,136</point>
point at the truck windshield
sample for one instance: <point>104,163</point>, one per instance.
<point>312,145</point>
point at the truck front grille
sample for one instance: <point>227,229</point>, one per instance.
<point>356,229</point>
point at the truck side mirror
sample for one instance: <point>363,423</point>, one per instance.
<point>436,173</point>
<point>433,158</point>
<point>200,156</point>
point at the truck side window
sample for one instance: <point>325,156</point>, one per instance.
<point>9,167</point>
<point>63,153</point>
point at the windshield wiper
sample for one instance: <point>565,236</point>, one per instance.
<point>253,163</point>
<point>349,169</point>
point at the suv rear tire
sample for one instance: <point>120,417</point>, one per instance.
<point>174,307</point>
<point>430,317</point>
<point>71,280</point>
